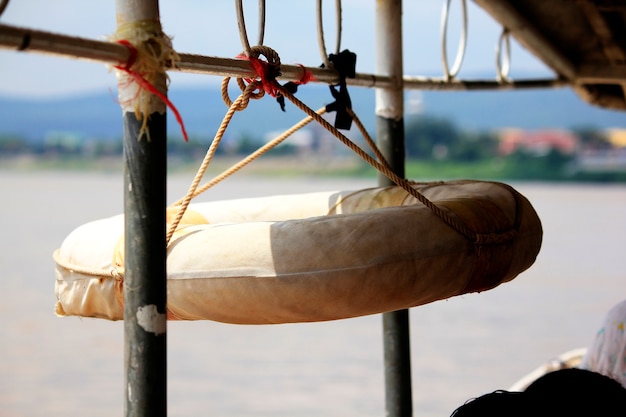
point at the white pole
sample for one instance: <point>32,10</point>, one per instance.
<point>390,139</point>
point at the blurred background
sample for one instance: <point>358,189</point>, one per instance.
<point>61,166</point>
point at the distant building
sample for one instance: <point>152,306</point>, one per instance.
<point>537,142</point>
<point>616,137</point>
<point>611,158</point>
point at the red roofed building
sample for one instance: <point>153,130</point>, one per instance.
<point>538,142</point>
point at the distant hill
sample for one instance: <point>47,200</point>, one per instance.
<point>98,115</point>
<point>527,109</point>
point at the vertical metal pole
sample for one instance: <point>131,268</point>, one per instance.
<point>145,358</point>
<point>390,138</point>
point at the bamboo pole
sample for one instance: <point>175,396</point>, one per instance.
<point>30,40</point>
<point>390,140</point>
<point>145,358</point>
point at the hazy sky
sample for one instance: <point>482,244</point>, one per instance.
<point>210,28</point>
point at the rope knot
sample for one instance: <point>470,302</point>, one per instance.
<point>264,81</point>
<point>142,80</point>
<point>266,71</point>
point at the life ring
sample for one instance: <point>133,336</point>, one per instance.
<point>313,257</point>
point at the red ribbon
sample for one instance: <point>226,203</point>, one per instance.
<point>263,72</point>
<point>306,76</point>
<point>146,85</point>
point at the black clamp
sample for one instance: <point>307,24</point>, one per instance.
<point>290,86</point>
<point>345,64</point>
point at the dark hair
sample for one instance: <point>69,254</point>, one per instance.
<point>494,404</point>
<point>579,390</point>
<point>566,392</point>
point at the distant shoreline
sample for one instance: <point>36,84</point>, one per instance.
<point>314,166</point>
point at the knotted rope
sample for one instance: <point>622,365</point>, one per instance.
<point>239,104</point>
<point>265,82</point>
<point>142,77</point>
<point>451,221</point>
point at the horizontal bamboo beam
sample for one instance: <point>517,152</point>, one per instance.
<point>230,67</point>
<point>31,40</point>
<point>432,83</point>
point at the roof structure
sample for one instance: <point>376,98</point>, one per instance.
<point>583,41</point>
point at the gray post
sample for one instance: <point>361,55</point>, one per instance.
<point>145,359</point>
<point>390,139</point>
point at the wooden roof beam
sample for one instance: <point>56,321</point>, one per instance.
<point>601,74</point>
<point>529,36</point>
<point>613,51</point>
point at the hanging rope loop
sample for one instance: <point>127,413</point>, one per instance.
<point>241,24</point>
<point>503,61</point>
<point>320,32</point>
<point>450,73</point>
<point>249,92</point>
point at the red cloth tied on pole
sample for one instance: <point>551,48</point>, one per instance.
<point>146,85</point>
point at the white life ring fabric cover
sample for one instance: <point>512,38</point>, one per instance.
<point>313,257</point>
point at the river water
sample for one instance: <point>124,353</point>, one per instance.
<point>461,347</point>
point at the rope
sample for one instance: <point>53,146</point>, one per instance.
<point>239,104</point>
<point>368,138</point>
<point>321,43</point>
<point>241,25</point>
<point>503,64</point>
<point>266,72</point>
<point>448,218</point>
<point>448,73</point>
<point>271,145</point>
<point>270,85</point>
<point>115,274</point>
<point>142,80</point>
<point>235,106</point>
<point>253,156</point>
<point>146,85</point>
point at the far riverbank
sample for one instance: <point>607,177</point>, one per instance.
<point>294,166</point>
